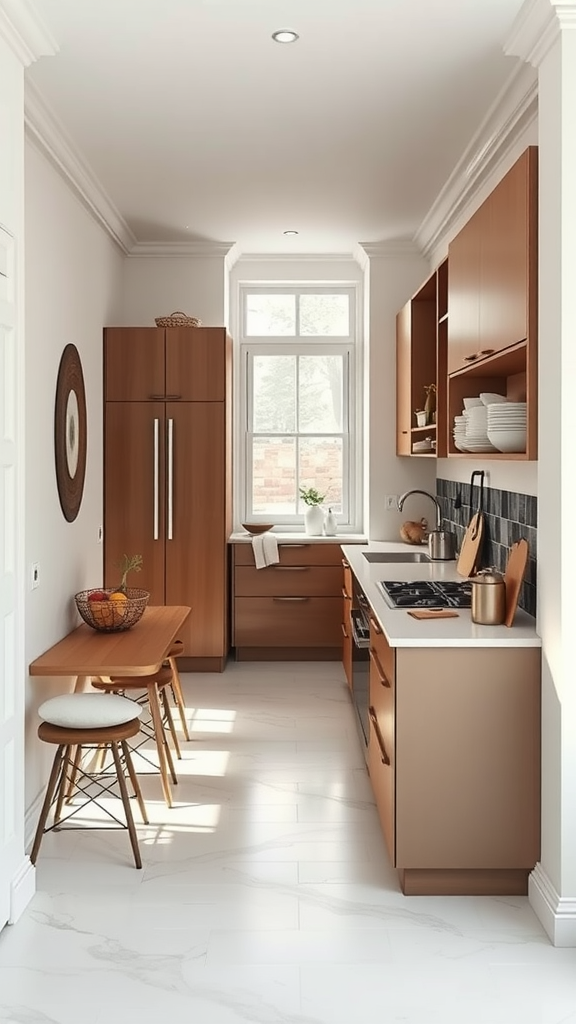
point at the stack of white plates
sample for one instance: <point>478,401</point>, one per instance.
<point>477,439</point>
<point>459,433</point>
<point>506,426</point>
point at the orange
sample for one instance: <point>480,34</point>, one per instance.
<point>118,602</point>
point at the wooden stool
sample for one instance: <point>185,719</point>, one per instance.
<point>176,686</point>
<point>75,722</point>
<point>153,698</point>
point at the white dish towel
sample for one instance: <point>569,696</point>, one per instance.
<point>265,548</point>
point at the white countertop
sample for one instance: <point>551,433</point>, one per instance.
<point>301,538</point>
<point>403,631</point>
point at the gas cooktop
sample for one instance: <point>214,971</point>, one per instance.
<point>427,593</point>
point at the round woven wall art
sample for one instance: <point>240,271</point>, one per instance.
<point>70,432</point>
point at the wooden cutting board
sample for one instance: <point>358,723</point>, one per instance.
<point>515,569</point>
<point>471,545</point>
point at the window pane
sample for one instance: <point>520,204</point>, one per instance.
<point>274,476</point>
<point>327,315</point>
<point>320,386</point>
<point>321,467</point>
<point>274,403</point>
<point>270,315</point>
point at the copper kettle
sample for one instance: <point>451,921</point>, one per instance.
<point>488,597</point>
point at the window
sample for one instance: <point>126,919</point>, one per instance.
<point>297,413</point>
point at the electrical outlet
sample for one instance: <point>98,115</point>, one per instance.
<point>100,534</point>
<point>391,502</point>
<point>34,575</point>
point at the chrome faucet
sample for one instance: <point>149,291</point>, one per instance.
<point>403,497</point>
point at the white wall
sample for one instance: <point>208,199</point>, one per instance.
<point>74,285</point>
<point>160,285</point>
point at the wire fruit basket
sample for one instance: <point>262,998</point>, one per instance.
<point>177,320</point>
<point>117,610</point>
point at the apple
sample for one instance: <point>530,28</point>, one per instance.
<point>97,595</point>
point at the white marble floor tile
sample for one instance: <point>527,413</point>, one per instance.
<point>266,895</point>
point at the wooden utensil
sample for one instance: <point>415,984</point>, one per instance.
<point>515,569</point>
<point>472,543</point>
<point>431,613</point>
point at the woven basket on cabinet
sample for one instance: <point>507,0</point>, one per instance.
<point>178,320</point>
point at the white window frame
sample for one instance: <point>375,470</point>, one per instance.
<point>247,346</point>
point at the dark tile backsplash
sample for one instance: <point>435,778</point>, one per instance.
<point>508,517</point>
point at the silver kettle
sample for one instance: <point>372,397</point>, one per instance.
<point>488,598</point>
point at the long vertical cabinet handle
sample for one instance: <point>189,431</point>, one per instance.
<point>156,480</point>
<point>170,478</point>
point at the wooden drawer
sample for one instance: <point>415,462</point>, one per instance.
<point>285,622</point>
<point>347,579</point>
<point>381,654</point>
<point>382,777</point>
<point>296,553</point>
<point>288,581</point>
<point>347,641</point>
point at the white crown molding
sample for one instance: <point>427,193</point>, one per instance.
<point>556,913</point>
<point>537,27</point>
<point>390,250</point>
<point>296,257</point>
<point>514,110</point>
<point>202,250</point>
<point>43,128</point>
<point>24,31</point>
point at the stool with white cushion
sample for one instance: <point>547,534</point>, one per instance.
<point>77,722</point>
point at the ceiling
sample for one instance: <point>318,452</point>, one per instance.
<point>199,128</point>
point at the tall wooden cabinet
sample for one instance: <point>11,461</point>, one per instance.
<point>167,473</point>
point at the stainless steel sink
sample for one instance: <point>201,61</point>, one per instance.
<point>396,556</point>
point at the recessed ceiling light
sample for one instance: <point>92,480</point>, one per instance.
<point>285,35</point>
<point>290,232</point>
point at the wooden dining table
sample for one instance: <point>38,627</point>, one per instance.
<point>139,651</point>
<point>87,654</point>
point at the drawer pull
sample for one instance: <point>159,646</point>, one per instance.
<point>293,545</point>
<point>290,568</point>
<point>344,631</point>
<point>378,734</point>
<point>290,598</point>
<point>381,673</point>
<point>375,625</point>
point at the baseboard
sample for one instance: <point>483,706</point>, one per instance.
<point>22,889</point>
<point>288,654</point>
<point>557,914</point>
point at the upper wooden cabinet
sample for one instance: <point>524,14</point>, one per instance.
<point>478,317</point>
<point>421,361</point>
<point>145,364</point>
<point>492,270</point>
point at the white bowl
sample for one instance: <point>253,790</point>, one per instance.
<point>488,398</point>
<point>508,440</point>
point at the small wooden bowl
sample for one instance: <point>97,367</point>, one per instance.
<point>255,528</point>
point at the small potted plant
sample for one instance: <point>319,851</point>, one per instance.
<point>314,516</point>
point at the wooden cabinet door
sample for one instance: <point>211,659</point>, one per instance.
<point>504,261</point>
<point>134,518</point>
<point>464,293</point>
<point>133,364</point>
<point>195,522</point>
<point>403,381</point>
<point>196,364</point>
